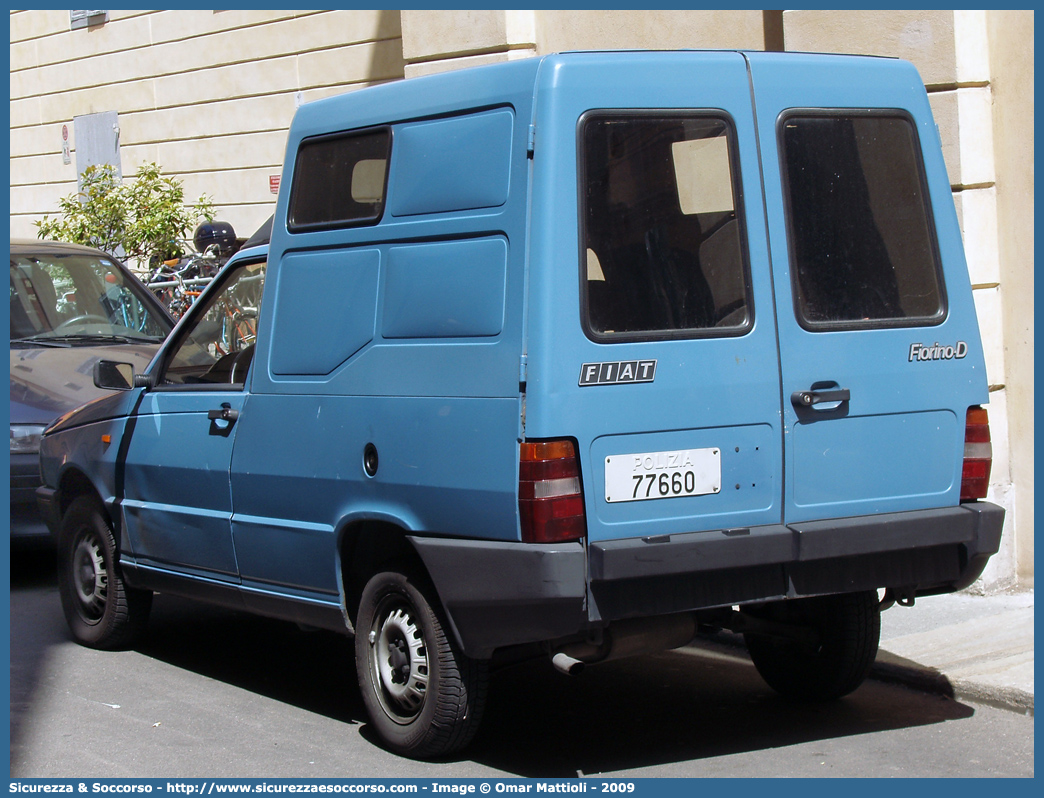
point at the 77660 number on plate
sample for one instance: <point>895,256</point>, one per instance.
<point>662,475</point>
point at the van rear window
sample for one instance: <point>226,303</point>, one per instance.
<point>663,253</point>
<point>339,180</point>
<point>862,241</point>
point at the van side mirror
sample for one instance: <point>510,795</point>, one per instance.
<point>115,376</point>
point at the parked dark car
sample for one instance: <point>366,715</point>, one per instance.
<point>71,306</point>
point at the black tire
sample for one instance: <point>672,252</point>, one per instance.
<point>849,627</point>
<point>102,612</point>
<point>424,697</point>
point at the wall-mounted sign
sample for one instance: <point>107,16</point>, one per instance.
<point>98,140</point>
<point>273,184</point>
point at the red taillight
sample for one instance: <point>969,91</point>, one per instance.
<point>550,503</point>
<point>978,455</point>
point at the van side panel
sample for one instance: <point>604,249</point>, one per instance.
<point>337,286</point>
<point>320,473</point>
<point>447,289</point>
<point>435,388</point>
<point>429,177</point>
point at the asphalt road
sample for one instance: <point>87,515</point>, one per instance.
<point>212,693</point>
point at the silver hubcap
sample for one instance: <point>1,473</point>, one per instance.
<point>89,578</point>
<point>400,662</point>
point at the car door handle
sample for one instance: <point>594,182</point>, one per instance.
<point>223,413</point>
<point>816,397</point>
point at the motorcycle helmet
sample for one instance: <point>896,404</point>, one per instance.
<point>220,233</point>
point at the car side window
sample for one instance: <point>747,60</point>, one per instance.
<point>219,345</point>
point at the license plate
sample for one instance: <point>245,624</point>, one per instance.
<point>662,475</point>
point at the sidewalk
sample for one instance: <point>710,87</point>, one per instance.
<point>974,648</point>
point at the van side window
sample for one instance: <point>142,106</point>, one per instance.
<point>339,180</point>
<point>663,253</point>
<point>217,348</point>
<point>862,241</point>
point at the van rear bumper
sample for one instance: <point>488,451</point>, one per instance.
<point>498,593</point>
<point>921,552</point>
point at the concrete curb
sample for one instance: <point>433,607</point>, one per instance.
<point>894,669</point>
<point>891,668</point>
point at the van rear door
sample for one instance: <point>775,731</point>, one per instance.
<point>878,337</point>
<point>661,359</point>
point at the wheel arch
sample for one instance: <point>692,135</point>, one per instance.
<point>74,483</point>
<point>366,547</point>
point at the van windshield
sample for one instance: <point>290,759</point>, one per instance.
<point>663,253</point>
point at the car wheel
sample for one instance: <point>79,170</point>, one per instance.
<point>849,629</point>
<point>101,610</point>
<point>423,696</point>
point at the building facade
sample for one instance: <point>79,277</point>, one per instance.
<point>209,96</point>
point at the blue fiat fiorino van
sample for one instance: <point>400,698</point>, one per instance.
<point>572,356</point>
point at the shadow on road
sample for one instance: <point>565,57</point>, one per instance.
<point>33,632</point>
<point>312,670</point>
<point>683,706</point>
<point>687,705</point>
<point>32,566</point>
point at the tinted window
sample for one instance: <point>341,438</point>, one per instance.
<point>339,180</point>
<point>79,297</point>
<point>663,253</point>
<point>862,241</point>
<point>218,346</point>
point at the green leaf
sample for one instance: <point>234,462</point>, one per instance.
<point>146,218</point>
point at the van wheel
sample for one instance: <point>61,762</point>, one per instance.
<point>423,696</point>
<point>102,612</point>
<point>849,628</point>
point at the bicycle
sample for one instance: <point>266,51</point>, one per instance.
<point>179,282</point>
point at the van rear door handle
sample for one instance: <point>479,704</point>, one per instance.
<point>817,397</point>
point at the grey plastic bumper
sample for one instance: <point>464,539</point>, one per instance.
<point>500,593</point>
<point>922,552</point>
<point>50,512</point>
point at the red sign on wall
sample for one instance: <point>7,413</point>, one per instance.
<point>273,183</point>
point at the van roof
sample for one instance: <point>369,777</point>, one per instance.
<point>447,92</point>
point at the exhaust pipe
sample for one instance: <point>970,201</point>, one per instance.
<point>567,664</point>
<point>627,638</point>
